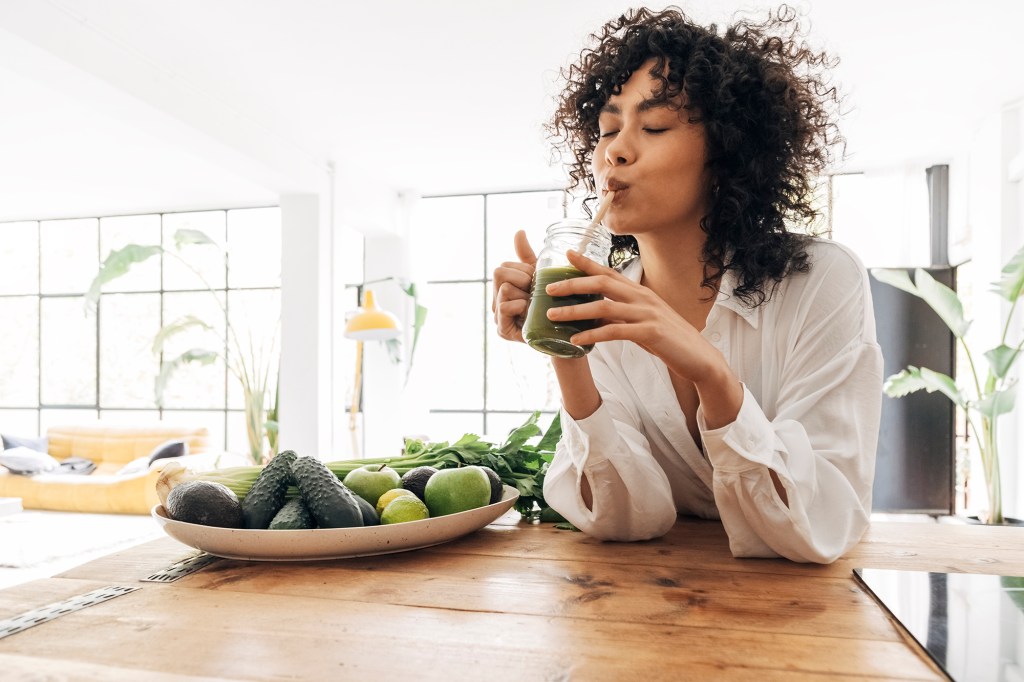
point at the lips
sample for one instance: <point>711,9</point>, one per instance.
<point>613,185</point>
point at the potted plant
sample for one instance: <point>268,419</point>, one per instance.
<point>253,364</point>
<point>982,401</point>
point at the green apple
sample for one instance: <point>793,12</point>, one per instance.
<point>450,491</point>
<point>371,481</point>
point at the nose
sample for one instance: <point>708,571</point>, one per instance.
<point>619,151</point>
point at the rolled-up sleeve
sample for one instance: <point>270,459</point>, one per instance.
<point>820,441</point>
<point>631,496</point>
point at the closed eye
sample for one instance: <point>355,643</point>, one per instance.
<point>609,133</point>
<point>655,131</point>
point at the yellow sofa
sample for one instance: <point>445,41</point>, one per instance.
<point>111,448</point>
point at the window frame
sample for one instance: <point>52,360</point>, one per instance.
<point>96,409</point>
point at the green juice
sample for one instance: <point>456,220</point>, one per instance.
<point>549,336</point>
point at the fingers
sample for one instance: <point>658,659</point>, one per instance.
<point>605,310</point>
<point>510,313</point>
<point>581,262</point>
<point>514,276</point>
<point>613,286</point>
<point>523,249</point>
<point>518,274</point>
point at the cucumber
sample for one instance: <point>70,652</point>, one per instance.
<point>293,516</point>
<point>331,503</point>
<point>267,495</point>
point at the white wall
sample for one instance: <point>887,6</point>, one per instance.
<point>986,227</point>
<point>1013,237</point>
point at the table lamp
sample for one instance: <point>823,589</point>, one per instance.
<point>369,323</point>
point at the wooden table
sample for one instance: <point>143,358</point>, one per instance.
<point>511,601</point>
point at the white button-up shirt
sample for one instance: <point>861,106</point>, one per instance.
<point>812,392</point>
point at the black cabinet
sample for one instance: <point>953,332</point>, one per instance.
<point>916,465</point>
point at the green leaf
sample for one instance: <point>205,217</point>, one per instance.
<point>394,348</point>
<point>938,296</point>
<point>943,301</point>
<point>997,403</point>
<point>897,278</point>
<point>1013,587</point>
<point>1011,283</point>
<point>185,237</point>
<point>518,436</point>
<point>175,328</point>
<point>552,435</point>
<point>467,439</point>
<point>414,446</point>
<point>167,370</point>
<point>914,379</point>
<point>117,264</point>
<point>1000,359</point>
<point>418,319</point>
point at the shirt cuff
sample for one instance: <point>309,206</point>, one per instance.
<point>585,438</point>
<point>745,444</point>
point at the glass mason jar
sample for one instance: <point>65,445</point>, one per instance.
<point>545,335</point>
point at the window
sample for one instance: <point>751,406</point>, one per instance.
<point>60,365</point>
<point>458,242</point>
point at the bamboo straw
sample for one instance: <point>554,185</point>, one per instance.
<point>602,210</point>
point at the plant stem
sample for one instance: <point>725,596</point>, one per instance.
<point>974,372</point>
<point>1009,316</point>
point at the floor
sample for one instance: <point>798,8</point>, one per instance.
<point>38,544</point>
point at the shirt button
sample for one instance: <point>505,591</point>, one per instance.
<point>716,337</point>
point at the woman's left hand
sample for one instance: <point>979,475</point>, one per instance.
<point>632,312</point>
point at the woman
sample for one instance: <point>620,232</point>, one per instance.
<point>735,373</point>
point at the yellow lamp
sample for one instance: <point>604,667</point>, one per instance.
<point>371,323</point>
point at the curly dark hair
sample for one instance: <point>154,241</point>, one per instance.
<point>768,113</point>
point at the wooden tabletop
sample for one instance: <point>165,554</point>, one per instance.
<point>511,601</point>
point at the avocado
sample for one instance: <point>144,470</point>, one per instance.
<point>497,489</point>
<point>370,517</point>
<point>415,480</point>
<point>206,503</point>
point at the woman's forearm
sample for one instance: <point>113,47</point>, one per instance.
<point>721,395</point>
<point>580,397</point>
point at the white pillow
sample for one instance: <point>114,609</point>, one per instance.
<point>22,460</point>
<point>138,465</point>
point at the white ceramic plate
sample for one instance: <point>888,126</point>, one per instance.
<point>332,543</point>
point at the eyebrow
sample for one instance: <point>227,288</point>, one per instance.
<point>644,105</point>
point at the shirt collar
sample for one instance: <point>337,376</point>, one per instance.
<point>634,270</point>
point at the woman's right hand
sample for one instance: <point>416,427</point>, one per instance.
<point>512,284</point>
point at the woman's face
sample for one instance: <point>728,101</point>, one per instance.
<point>653,159</point>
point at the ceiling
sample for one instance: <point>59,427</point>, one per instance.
<point>120,106</point>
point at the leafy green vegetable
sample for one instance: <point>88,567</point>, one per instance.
<point>516,461</point>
